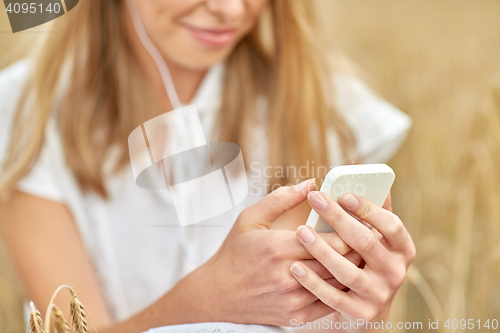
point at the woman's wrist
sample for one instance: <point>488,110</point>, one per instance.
<point>192,300</point>
<point>185,303</point>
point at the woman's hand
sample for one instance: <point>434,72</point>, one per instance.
<point>248,279</point>
<point>387,251</point>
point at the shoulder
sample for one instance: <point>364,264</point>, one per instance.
<point>12,82</point>
<point>41,180</point>
<point>378,127</point>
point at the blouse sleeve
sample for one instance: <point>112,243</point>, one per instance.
<point>378,127</point>
<point>41,180</point>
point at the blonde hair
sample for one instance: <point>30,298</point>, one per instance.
<point>282,59</point>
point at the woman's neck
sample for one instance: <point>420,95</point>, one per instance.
<point>186,82</point>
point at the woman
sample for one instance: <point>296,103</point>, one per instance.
<point>260,78</point>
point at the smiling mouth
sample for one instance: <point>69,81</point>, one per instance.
<point>212,37</point>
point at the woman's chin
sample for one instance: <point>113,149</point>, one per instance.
<point>199,59</point>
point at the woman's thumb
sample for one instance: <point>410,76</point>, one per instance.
<point>268,209</point>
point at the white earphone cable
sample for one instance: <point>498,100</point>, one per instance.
<point>155,54</point>
<point>174,100</point>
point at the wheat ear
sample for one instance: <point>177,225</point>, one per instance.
<point>78,315</point>
<point>77,312</point>
<point>60,323</point>
<point>36,325</point>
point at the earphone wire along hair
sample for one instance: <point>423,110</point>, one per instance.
<point>155,54</point>
<point>172,96</point>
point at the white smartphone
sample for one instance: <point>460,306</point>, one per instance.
<point>370,181</point>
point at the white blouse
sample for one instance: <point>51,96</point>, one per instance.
<point>133,238</point>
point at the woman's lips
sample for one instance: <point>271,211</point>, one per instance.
<point>212,37</point>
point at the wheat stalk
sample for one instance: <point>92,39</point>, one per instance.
<point>51,307</point>
<point>36,325</point>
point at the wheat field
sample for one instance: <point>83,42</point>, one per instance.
<point>439,61</point>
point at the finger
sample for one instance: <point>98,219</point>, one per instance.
<point>325,274</point>
<point>336,284</point>
<point>295,288</point>
<point>354,257</point>
<point>299,298</point>
<point>388,203</point>
<point>287,248</point>
<point>268,209</point>
<point>341,268</point>
<point>317,268</point>
<point>290,248</point>
<point>333,239</point>
<point>388,224</point>
<point>355,234</point>
<point>314,311</point>
<point>297,251</point>
<point>334,298</point>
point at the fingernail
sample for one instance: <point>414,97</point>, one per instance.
<point>297,270</point>
<point>306,234</point>
<point>305,184</point>
<point>349,201</point>
<point>317,200</point>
